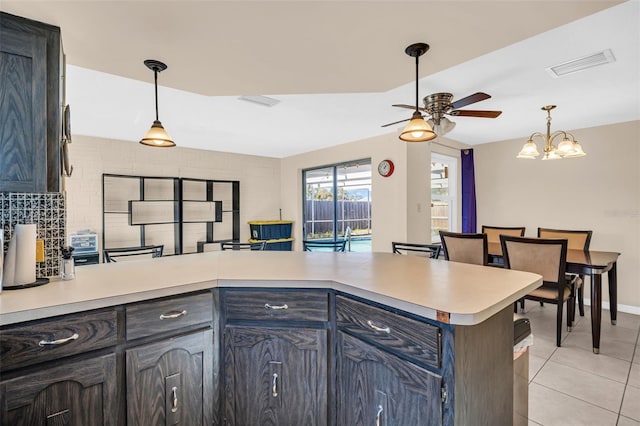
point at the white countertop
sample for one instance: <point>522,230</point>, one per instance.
<point>469,293</point>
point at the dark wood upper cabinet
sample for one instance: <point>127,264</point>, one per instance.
<point>30,104</point>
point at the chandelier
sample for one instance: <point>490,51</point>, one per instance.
<point>567,148</point>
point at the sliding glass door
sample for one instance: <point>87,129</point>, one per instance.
<point>337,204</point>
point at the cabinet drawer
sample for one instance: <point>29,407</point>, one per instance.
<point>57,337</point>
<point>408,337</point>
<point>287,305</point>
<point>159,316</point>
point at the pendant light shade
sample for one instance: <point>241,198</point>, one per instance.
<point>156,136</point>
<point>442,126</point>
<point>417,130</point>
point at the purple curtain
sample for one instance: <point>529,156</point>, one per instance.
<point>468,192</point>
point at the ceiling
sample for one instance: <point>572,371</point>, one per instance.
<point>337,66</point>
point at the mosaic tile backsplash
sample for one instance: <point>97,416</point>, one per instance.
<point>47,211</point>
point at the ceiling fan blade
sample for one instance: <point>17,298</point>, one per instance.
<point>475,113</point>
<point>471,99</point>
<point>395,122</point>
<point>408,106</point>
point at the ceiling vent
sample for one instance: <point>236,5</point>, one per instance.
<point>575,65</point>
<point>260,100</point>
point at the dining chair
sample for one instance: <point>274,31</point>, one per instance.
<point>112,255</point>
<point>234,245</point>
<point>465,248</point>
<point>324,245</point>
<point>494,232</point>
<point>546,257</point>
<point>431,251</point>
<point>576,240</point>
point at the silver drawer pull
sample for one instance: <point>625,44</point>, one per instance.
<point>276,307</point>
<point>174,399</point>
<point>75,336</point>
<point>173,315</point>
<point>379,415</point>
<point>376,328</point>
<point>274,385</point>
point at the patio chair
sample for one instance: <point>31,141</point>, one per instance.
<point>324,245</point>
<point>113,254</point>
<point>233,245</point>
<point>431,251</point>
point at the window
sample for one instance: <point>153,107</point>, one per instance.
<point>337,203</point>
<point>443,194</point>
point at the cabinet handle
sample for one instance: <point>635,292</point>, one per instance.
<point>276,307</point>
<point>274,385</point>
<point>74,336</point>
<point>173,315</point>
<point>174,399</point>
<point>379,415</point>
<point>376,328</point>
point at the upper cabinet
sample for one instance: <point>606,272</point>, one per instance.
<point>30,105</point>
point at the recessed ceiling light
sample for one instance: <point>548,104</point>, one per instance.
<point>260,100</point>
<point>583,63</point>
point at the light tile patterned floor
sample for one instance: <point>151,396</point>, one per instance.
<point>571,385</point>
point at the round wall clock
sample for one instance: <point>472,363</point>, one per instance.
<point>385,168</point>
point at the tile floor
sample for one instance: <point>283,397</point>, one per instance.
<point>571,385</point>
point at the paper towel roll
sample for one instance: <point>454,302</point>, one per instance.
<point>20,263</point>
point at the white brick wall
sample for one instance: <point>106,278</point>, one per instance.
<point>91,157</point>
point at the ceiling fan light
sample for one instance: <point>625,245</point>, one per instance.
<point>443,127</point>
<point>417,130</point>
<point>528,151</point>
<point>566,148</point>
<point>577,151</point>
<point>157,136</point>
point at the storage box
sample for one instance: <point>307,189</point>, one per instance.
<point>270,229</point>
<point>84,243</point>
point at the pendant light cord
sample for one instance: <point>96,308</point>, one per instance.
<point>155,77</point>
<point>417,59</point>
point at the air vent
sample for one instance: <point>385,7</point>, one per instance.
<point>579,64</point>
<point>260,100</point>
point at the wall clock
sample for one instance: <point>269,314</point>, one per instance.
<point>385,168</point>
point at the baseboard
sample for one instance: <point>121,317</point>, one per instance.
<point>629,309</point>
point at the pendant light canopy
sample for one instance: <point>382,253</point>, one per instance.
<point>157,136</point>
<point>417,130</point>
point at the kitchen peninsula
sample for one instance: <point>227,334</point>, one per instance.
<point>242,337</point>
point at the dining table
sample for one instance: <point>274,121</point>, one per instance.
<point>594,264</point>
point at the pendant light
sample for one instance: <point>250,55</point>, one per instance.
<point>157,136</point>
<point>417,130</point>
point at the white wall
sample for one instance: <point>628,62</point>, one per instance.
<point>91,157</point>
<point>600,192</point>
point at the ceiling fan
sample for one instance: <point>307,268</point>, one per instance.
<point>437,105</point>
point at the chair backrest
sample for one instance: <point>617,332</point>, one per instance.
<point>494,232</point>
<point>233,245</point>
<point>428,250</point>
<point>110,255</point>
<point>324,245</point>
<point>465,248</point>
<point>576,240</point>
<point>543,256</point>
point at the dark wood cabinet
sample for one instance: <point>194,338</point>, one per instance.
<point>30,104</point>
<point>375,387</point>
<point>170,382</point>
<point>275,357</point>
<point>69,393</point>
<point>275,376</point>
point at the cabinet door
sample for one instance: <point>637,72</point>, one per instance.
<point>377,388</point>
<point>74,393</point>
<point>23,111</point>
<point>275,376</point>
<point>171,382</point>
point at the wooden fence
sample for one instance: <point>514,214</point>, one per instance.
<point>354,214</point>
